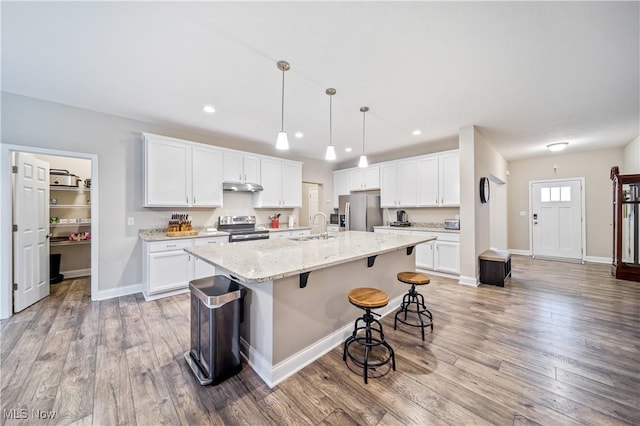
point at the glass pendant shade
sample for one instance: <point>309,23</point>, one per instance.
<point>282,142</point>
<point>363,161</point>
<point>331,153</point>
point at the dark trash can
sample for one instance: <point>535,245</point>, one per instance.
<point>216,315</point>
<point>54,268</point>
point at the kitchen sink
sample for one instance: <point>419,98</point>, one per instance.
<point>312,237</point>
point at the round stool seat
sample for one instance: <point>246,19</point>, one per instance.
<point>413,278</point>
<point>367,297</point>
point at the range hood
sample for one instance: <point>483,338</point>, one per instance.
<point>241,187</point>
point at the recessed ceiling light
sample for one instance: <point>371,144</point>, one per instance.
<point>416,132</point>
<point>209,109</point>
<point>347,150</point>
<point>557,146</point>
<point>299,135</point>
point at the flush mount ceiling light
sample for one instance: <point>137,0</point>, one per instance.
<point>299,135</point>
<point>331,151</point>
<point>282,142</point>
<point>363,158</point>
<point>209,109</point>
<point>348,149</point>
<point>416,132</point>
<point>557,146</point>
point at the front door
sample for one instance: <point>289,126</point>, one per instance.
<point>556,219</point>
<point>31,240</point>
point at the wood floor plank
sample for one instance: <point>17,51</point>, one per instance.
<point>559,344</point>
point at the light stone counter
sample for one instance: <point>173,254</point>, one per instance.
<point>419,227</point>
<point>161,234</point>
<point>296,306</point>
<point>267,260</point>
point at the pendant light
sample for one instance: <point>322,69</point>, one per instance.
<point>282,142</point>
<point>331,151</point>
<point>363,158</point>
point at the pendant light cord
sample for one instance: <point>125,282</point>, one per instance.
<point>330,120</point>
<point>363,129</point>
<point>282,117</point>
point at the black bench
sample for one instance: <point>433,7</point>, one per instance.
<point>495,267</point>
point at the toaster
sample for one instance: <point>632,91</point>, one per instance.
<point>452,224</point>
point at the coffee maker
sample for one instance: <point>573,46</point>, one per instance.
<point>401,219</point>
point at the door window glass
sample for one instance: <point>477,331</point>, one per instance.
<point>545,195</point>
<point>555,194</point>
<point>565,193</point>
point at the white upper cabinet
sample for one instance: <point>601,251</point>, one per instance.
<point>425,181</point>
<point>449,177</point>
<point>428,181</point>
<point>398,184</point>
<point>282,183</point>
<point>206,183</point>
<point>241,167</point>
<point>361,179</point>
<point>341,185</point>
<point>180,173</point>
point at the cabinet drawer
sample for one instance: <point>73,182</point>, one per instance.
<point>443,236</point>
<point>169,245</point>
<point>213,240</point>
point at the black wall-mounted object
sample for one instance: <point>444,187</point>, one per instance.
<point>484,189</point>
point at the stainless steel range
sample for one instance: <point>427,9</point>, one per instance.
<point>241,228</point>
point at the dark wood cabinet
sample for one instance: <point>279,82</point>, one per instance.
<point>626,224</point>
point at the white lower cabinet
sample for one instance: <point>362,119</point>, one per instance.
<point>289,234</point>
<point>442,254</point>
<point>168,268</point>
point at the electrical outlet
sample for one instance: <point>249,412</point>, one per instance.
<point>130,221</point>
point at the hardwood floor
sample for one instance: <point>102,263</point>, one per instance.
<point>559,344</point>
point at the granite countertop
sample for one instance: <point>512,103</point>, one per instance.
<point>161,234</point>
<point>283,228</point>
<point>417,226</point>
<point>266,260</point>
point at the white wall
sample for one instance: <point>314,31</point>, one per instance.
<point>631,164</point>
<point>117,143</point>
<point>478,158</point>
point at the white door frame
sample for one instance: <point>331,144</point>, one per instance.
<point>6,248</point>
<point>583,213</point>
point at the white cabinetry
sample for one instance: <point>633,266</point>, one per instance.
<point>180,173</point>
<point>289,234</point>
<point>168,268</point>
<point>361,179</point>
<point>449,179</point>
<point>241,167</point>
<point>398,184</point>
<point>425,181</point>
<point>282,183</point>
<point>341,184</point>
<point>442,254</point>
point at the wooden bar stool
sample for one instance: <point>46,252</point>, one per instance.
<point>413,297</point>
<point>368,298</point>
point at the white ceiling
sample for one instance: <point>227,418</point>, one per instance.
<point>527,74</point>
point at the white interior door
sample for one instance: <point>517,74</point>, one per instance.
<point>31,240</point>
<point>313,202</point>
<point>556,217</point>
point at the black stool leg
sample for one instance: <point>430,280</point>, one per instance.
<point>413,297</point>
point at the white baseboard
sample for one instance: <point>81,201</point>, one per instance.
<point>598,259</point>
<point>520,252</point>
<point>76,273</point>
<point>274,374</point>
<point>117,292</point>
<point>438,273</point>
<point>472,281</point>
<point>149,297</point>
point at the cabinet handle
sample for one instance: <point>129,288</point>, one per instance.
<point>240,176</point>
<point>187,199</point>
<point>170,245</point>
<point>194,200</point>
<point>442,200</point>
<point>245,178</point>
<point>436,200</point>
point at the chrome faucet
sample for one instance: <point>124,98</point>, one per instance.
<point>324,234</point>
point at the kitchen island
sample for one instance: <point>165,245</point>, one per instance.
<point>296,308</point>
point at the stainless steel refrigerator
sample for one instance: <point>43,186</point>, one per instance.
<point>359,212</point>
